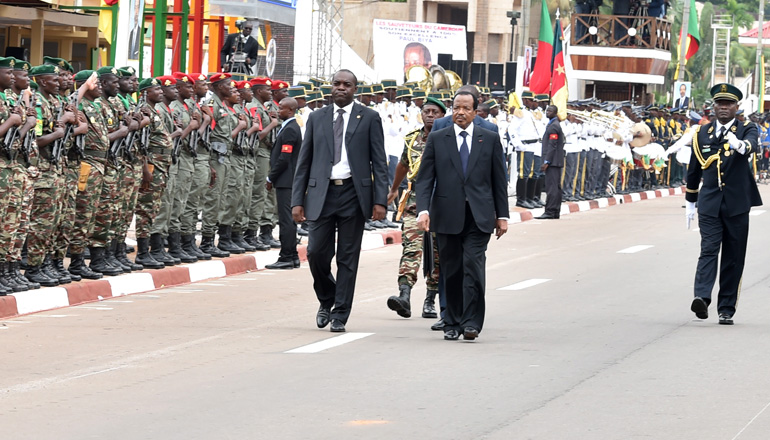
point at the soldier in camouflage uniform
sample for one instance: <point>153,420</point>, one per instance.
<point>44,218</point>
<point>201,169</point>
<point>130,176</point>
<point>412,237</point>
<point>226,126</point>
<point>155,174</point>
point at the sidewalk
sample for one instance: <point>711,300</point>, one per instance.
<point>48,298</point>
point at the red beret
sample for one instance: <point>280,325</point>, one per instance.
<point>216,77</point>
<point>183,77</point>
<point>278,84</point>
<point>242,85</point>
<point>166,80</point>
<point>261,81</point>
<point>198,76</point>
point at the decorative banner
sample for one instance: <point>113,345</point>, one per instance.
<point>399,45</point>
<point>135,28</point>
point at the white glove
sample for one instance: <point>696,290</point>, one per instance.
<point>689,212</point>
<point>735,143</point>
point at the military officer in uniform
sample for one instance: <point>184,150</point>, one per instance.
<point>720,152</point>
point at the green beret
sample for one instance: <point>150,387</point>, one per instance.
<point>147,83</point>
<point>45,69</point>
<point>82,75</point>
<point>107,70</point>
<point>297,92</point>
<point>130,69</point>
<point>123,73</point>
<point>61,63</point>
<point>7,63</point>
<point>20,64</point>
<point>434,101</point>
<point>726,92</point>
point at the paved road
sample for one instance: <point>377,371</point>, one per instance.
<point>582,341</point>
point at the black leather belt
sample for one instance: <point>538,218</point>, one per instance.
<point>340,182</point>
<point>530,141</point>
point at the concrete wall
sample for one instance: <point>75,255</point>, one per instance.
<point>359,16</point>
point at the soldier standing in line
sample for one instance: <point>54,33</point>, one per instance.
<point>44,218</point>
<point>183,114</point>
<point>154,174</point>
<point>226,126</point>
<point>202,173</point>
<point>266,199</point>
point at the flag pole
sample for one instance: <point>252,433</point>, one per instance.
<point>683,39</point>
<point>759,88</point>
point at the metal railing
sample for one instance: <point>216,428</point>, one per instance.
<point>626,31</point>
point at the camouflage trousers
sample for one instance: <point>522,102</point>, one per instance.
<point>67,222</point>
<point>182,187</point>
<point>86,206</point>
<point>200,183</point>
<point>148,203</point>
<point>130,178</point>
<point>106,210</point>
<point>163,217</point>
<point>262,210</point>
<point>21,211</point>
<point>214,199</point>
<point>411,254</point>
<point>234,193</point>
<point>11,194</point>
<point>44,217</point>
<point>242,212</point>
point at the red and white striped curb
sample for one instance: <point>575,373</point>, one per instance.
<point>72,294</point>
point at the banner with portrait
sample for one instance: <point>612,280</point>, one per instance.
<point>682,93</point>
<point>399,45</point>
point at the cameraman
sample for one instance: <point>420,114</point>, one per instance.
<point>585,7</point>
<point>240,42</point>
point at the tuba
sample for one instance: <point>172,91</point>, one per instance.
<point>440,77</point>
<point>455,82</point>
<point>421,76</point>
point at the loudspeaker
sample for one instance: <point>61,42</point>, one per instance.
<point>510,76</point>
<point>479,74</point>
<point>460,67</point>
<point>445,60</point>
<point>495,78</point>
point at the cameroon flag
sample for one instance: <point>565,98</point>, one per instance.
<point>559,93</point>
<point>693,38</point>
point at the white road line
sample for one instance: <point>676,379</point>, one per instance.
<point>95,308</point>
<point>113,301</point>
<point>52,316</point>
<point>751,421</point>
<point>757,212</point>
<point>145,296</point>
<point>4,328</point>
<point>211,284</point>
<point>329,343</point>
<point>525,284</point>
<point>635,249</point>
<point>100,372</point>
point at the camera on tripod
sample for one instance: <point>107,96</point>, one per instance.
<point>237,60</point>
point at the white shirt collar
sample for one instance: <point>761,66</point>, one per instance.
<point>469,129</point>
<point>727,126</point>
<point>348,108</point>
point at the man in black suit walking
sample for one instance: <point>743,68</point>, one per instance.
<point>462,196</point>
<point>341,180</point>
<point>283,161</point>
<point>553,162</point>
<point>720,151</point>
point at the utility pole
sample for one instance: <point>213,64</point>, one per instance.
<point>759,88</point>
<point>514,16</point>
<point>524,28</point>
<point>683,39</point>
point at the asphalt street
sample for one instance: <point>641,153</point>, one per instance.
<point>588,335</point>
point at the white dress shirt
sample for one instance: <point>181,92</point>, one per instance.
<point>459,138</point>
<point>342,169</point>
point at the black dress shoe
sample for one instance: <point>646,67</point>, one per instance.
<point>337,326</point>
<point>295,262</point>
<point>725,319</point>
<point>281,265</point>
<point>451,335</point>
<point>547,217</point>
<point>700,308</point>
<point>470,333</point>
<point>322,317</point>
<point>438,326</point>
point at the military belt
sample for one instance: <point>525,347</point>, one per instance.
<point>530,141</point>
<point>95,153</point>
<point>159,150</point>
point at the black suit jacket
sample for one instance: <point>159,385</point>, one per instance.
<point>364,142</point>
<point>553,145</point>
<point>283,157</point>
<point>739,189</point>
<point>484,186</point>
<point>682,102</point>
<point>478,121</point>
<point>250,48</point>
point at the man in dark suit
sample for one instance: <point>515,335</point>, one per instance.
<point>553,162</point>
<point>240,41</point>
<point>683,101</point>
<point>341,180</point>
<point>283,161</point>
<point>462,196</point>
<point>446,121</point>
<point>721,149</point>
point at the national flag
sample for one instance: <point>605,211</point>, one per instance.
<point>693,38</point>
<point>261,39</point>
<point>105,20</point>
<point>761,91</point>
<point>559,92</point>
<point>540,81</point>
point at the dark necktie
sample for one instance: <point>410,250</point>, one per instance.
<point>339,132</point>
<point>464,151</point>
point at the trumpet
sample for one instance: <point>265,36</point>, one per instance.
<point>607,119</point>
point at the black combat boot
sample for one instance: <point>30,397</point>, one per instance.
<point>58,266</point>
<point>158,252</point>
<point>15,272</point>
<point>36,275</point>
<point>207,246</point>
<point>49,270</point>
<point>143,256</point>
<point>188,245</point>
<point>176,251</point>
<point>401,303</point>
<point>266,235</point>
<point>8,283</point>
<point>530,195</point>
<point>252,239</point>
<point>225,241</point>
<point>238,240</point>
<point>112,259</point>
<point>120,255</point>
<point>78,267</point>
<point>539,183</point>
<point>99,263</point>
<point>429,306</point>
<point>521,194</point>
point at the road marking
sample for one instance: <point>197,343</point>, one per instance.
<point>635,249</point>
<point>757,212</point>
<point>52,316</point>
<point>268,274</point>
<point>95,308</point>
<point>329,343</point>
<point>113,301</point>
<point>751,421</point>
<point>4,328</point>
<point>211,284</point>
<point>367,422</point>
<point>145,296</point>
<point>525,284</point>
<point>100,372</point>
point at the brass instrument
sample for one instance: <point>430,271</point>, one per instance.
<point>455,82</point>
<point>440,78</point>
<point>421,76</point>
<point>642,135</point>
